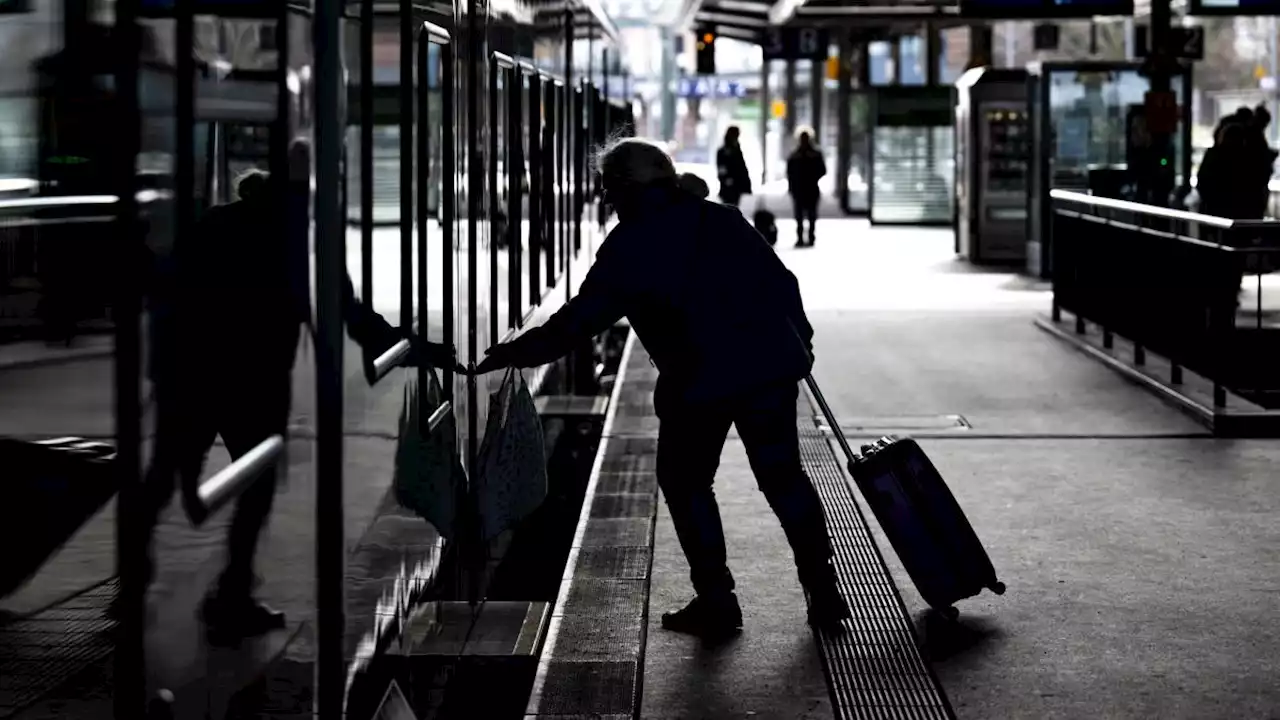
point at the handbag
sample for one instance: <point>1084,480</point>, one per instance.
<point>429,477</point>
<point>512,462</point>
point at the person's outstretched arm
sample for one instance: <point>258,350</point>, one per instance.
<point>597,306</point>
<point>375,335</point>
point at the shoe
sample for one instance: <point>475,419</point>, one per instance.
<point>707,618</point>
<point>230,620</point>
<point>827,609</point>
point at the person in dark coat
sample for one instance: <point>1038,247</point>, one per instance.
<point>222,364</point>
<point>805,168</point>
<point>731,168</point>
<point>722,319</point>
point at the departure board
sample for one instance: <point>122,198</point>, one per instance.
<point>1234,7</point>
<point>1043,9</point>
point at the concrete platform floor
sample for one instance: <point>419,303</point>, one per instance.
<point>1142,556</point>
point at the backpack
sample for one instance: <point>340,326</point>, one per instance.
<point>766,225</point>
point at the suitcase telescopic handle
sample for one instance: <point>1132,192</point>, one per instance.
<point>849,455</point>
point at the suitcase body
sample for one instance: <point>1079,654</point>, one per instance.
<point>921,518</point>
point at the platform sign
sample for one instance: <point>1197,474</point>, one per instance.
<point>1043,9</point>
<point>796,43</point>
<point>1233,7</point>
<point>1185,43</point>
<point>700,87</point>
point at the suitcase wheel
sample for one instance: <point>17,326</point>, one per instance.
<point>998,587</point>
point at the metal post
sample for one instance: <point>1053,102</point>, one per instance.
<point>789,97</point>
<point>407,103</point>
<point>331,267</point>
<point>1160,69</point>
<point>366,151</point>
<point>766,112</point>
<point>844,134</point>
<point>667,92</point>
<point>1108,339</point>
<point>129,692</point>
<point>1080,326</point>
<point>1139,355</point>
<point>817,87</point>
<point>1219,395</point>
<point>1175,374</point>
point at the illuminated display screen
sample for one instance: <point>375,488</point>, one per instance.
<point>1034,9</point>
<point>1234,7</point>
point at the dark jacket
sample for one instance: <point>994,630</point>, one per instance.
<point>805,168</point>
<point>717,311</point>
<point>731,167</point>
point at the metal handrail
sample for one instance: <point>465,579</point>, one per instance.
<point>389,360</point>
<point>234,479</point>
<point>1160,212</point>
<point>438,416</point>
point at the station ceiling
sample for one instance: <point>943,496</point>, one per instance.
<point>747,19</point>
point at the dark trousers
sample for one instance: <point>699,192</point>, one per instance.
<point>806,207</point>
<point>689,446</point>
<point>189,419</point>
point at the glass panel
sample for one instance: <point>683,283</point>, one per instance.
<point>527,258</point>
<point>430,130</point>
<point>501,213</point>
<point>859,152</point>
<point>1089,114</point>
<point>914,174</point>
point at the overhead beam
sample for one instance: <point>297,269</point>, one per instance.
<point>783,10</point>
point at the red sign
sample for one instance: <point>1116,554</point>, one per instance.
<point>1162,112</point>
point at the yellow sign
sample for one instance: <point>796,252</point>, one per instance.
<point>779,109</point>
<point>833,68</point>
<point>1259,72</point>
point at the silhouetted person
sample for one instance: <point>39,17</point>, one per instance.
<point>731,168</point>
<point>222,365</point>
<point>805,168</point>
<point>722,320</point>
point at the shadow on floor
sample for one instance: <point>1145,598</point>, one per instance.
<point>942,639</point>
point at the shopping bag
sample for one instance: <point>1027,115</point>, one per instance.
<point>429,477</point>
<point>512,463</point>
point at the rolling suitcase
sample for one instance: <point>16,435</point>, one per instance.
<point>921,518</point>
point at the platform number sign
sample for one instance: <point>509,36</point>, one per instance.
<point>795,43</point>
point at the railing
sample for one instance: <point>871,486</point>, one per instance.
<point>1169,281</point>
<point>234,479</point>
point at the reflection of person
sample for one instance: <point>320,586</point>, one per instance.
<point>224,361</point>
<point>731,167</point>
<point>722,319</point>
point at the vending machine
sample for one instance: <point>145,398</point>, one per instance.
<point>992,152</point>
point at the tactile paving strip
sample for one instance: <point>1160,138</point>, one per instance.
<point>40,652</point>
<point>874,667</point>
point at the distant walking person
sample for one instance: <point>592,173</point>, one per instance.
<point>731,168</point>
<point>722,319</point>
<point>805,168</point>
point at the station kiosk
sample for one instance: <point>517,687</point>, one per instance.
<point>992,149</point>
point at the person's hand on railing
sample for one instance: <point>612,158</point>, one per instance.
<point>411,351</point>
<point>498,357</point>
<point>438,355</point>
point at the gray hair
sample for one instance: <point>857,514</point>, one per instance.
<point>633,161</point>
<point>248,184</point>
